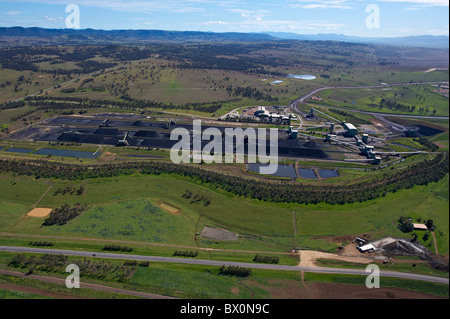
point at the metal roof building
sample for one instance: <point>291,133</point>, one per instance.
<point>420,226</point>
<point>350,129</point>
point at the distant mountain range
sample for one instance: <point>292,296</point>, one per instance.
<point>427,41</point>
<point>142,36</point>
<point>133,35</point>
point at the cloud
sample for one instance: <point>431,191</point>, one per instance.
<point>323,4</point>
<point>215,22</point>
<point>13,13</point>
<point>142,6</point>
<point>427,3</point>
<point>53,19</point>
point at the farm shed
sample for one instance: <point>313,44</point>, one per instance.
<point>368,247</point>
<point>420,227</point>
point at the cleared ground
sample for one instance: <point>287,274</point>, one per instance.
<point>39,212</point>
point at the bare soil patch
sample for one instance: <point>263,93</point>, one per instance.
<point>235,290</point>
<point>308,258</point>
<point>218,234</point>
<point>347,291</point>
<point>169,207</point>
<point>293,289</point>
<point>344,239</point>
<point>39,212</point>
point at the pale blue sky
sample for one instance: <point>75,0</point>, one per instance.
<point>397,17</point>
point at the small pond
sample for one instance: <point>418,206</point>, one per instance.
<point>307,173</point>
<point>66,153</point>
<point>19,150</point>
<point>282,170</point>
<point>327,173</point>
<point>302,77</point>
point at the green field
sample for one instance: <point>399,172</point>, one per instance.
<point>201,79</point>
<point>419,96</point>
<point>124,208</point>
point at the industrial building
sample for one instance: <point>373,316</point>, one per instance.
<point>350,129</point>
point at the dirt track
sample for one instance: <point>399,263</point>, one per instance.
<point>308,258</point>
<point>83,285</point>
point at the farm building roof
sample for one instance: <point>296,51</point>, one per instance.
<point>420,226</point>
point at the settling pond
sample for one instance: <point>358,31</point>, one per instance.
<point>303,77</point>
<point>289,171</point>
<point>19,150</point>
<point>66,153</point>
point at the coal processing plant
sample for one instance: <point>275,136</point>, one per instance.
<point>125,130</point>
<point>138,131</point>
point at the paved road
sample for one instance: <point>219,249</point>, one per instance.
<point>343,271</point>
<point>308,95</point>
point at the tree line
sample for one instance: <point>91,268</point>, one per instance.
<point>185,253</point>
<point>114,247</point>
<point>88,268</point>
<point>43,103</point>
<point>266,259</point>
<point>235,271</point>
<point>422,173</point>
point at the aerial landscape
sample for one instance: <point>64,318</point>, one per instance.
<point>96,201</point>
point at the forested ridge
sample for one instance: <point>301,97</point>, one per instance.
<point>72,103</point>
<point>421,173</point>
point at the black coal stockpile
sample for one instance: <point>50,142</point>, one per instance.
<point>134,142</point>
<point>70,137</point>
<point>92,139</point>
<point>428,131</point>
<point>108,131</point>
<point>149,134</point>
<point>301,152</point>
<point>158,143</point>
<point>111,140</point>
<point>311,144</point>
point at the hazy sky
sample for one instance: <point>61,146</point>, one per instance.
<point>396,17</point>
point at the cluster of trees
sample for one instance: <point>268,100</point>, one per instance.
<point>60,216</point>
<point>88,268</point>
<point>197,198</point>
<point>70,190</point>
<point>406,225</point>
<point>113,247</point>
<point>47,262</point>
<point>422,173</point>
<point>251,93</point>
<point>186,253</point>
<point>44,103</point>
<point>235,271</point>
<point>12,105</point>
<point>27,58</point>
<point>266,259</point>
<point>394,105</point>
<point>427,143</point>
<point>41,243</point>
<point>349,117</point>
<point>135,263</point>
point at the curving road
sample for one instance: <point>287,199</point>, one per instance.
<point>308,95</point>
<point>343,271</point>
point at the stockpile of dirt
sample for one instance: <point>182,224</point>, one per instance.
<point>403,247</point>
<point>218,234</point>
